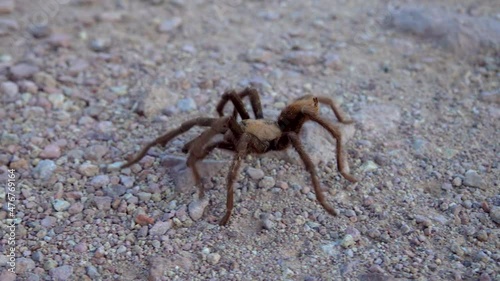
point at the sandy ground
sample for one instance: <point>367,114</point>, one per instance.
<point>86,84</point>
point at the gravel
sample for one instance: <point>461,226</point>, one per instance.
<point>100,44</point>
<point>9,88</point>
<point>51,151</point>
<point>60,205</point>
<point>169,25</point>
<point>23,71</point>
<point>25,265</point>
<point>103,203</point>
<point>186,105</point>
<point>472,179</point>
<point>61,273</point>
<point>196,208</point>
<point>160,228</point>
<point>213,258</point>
<point>40,30</point>
<point>495,214</point>
<point>267,182</point>
<point>44,169</point>
<point>255,174</point>
<point>88,169</point>
<point>100,181</point>
<point>7,6</point>
<point>88,86</point>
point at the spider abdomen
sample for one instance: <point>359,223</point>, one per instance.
<point>264,130</point>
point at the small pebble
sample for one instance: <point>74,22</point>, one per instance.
<point>259,55</point>
<point>77,66</point>
<point>114,191</point>
<point>255,174</point>
<point>99,181</point>
<point>100,44</point>
<point>266,222</point>
<point>95,152</point>
<point>305,189</point>
<point>186,105</point>
<point>24,265</point>
<point>473,179</point>
<point>127,181</point>
<point>57,100</point>
<point>143,219</point>
<point>213,258</point>
<point>87,169</point>
<point>350,213</point>
<point>423,220</point>
<point>23,71</point>
<point>405,229</point>
<point>92,272</point>
<point>333,61</point>
<point>48,222</point>
<point>44,169</point>
<point>144,196</point>
<point>6,27</point>
<point>354,232</point>
<point>49,264</point>
<point>495,214</point>
<point>60,205</point>
<point>40,31</point>
<point>381,160</point>
<point>369,166</point>
<point>81,247</point>
<point>115,166</point>
<point>7,6</point>
<point>37,257</point>
<point>302,58</point>
<point>457,182</point>
<point>60,40</point>
<point>347,241</point>
<point>267,182</point>
<point>61,273</point>
<point>482,235</point>
<point>103,203</point>
<point>490,96</point>
<point>196,208</point>
<point>28,86</point>
<point>44,80</point>
<point>446,186</point>
<point>283,185</point>
<point>75,208</point>
<point>9,88</point>
<point>169,25</point>
<point>160,228</point>
<point>457,249</point>
<point>51,151</point>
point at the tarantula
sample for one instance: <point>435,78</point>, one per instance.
<point>256,136</point>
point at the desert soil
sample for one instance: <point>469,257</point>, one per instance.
<point>85,84</point>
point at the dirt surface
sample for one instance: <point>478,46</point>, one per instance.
<point>85,84</point>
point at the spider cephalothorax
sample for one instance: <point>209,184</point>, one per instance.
<point>256,136</point>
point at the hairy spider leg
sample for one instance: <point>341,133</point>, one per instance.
<point>245,143</point>
<point>164,139</point>
<point>297,144</point>
<point>194,158</point>
<point>336,109</point>
<point>334,130</point>
<point>237,100</point>
<point>199,150</point>
<point>332,104</point>
<point>239,107</point>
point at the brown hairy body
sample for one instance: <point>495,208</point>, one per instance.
<point>264,130</point>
